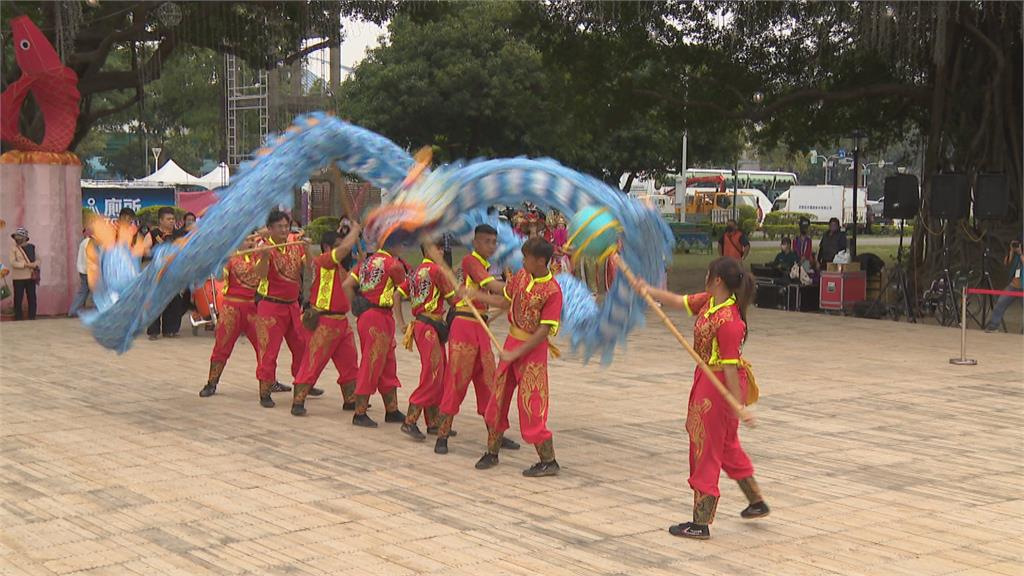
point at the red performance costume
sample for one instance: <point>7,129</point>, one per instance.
<point>236,317</point>
<point>533,302</point>
<point>380,275</point>
<point>469,349</point>
<point>332,339</point>
<point>713,428</point>
<point>278,316</point>
<point>428,289</point>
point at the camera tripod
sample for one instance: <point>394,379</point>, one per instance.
<point>899,283</point>
<point>980,312</point>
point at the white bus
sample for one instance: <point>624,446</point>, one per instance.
<point>770,182</point>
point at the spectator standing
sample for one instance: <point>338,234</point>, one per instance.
<point>82,265</point>
<point>734,242</point>
<point>832,243</point>
<point>168,323</point>
<point>803,246</point>
<point>1013,260</point>
<point>25,273</point>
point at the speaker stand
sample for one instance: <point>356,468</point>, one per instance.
<point>899,282</point>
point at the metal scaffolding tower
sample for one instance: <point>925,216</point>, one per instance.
<point>244,92</point>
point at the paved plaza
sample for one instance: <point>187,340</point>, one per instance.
<point>876,455</point>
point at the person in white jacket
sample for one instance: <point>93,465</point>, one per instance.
<point>83,278</point>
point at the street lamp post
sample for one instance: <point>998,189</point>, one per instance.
<point>156,157</point>
<point>857,135</point>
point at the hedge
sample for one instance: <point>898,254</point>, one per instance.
<point>148,215</point>
<point>315,229</point>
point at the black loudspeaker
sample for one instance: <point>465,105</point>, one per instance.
<point>991,196</point>
<point>902,197</point>
<point>950,196</point>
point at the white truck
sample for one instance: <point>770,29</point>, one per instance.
<point>824,202</point>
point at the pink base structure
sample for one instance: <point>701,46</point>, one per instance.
<point>45,198</point>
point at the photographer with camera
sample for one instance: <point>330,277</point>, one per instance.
<point>1013,260</point>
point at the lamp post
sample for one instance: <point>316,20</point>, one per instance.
<point>757,98</point>
<point>156,157</point>
<point>857,135</point>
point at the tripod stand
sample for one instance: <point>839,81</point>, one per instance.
<point>900,285</point>
<point>980,311</point>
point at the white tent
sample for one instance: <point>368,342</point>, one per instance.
<point>216,178</point>
<point>172,174</point>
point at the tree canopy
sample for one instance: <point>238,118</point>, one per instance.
<point>485,79</point>
<point>89,39</point>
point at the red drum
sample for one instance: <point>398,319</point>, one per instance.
<point>208,301</point>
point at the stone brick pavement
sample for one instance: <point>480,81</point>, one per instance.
<point>877,456</point>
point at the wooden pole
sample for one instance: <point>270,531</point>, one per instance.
<point>743,413</point>
<point>269,246</point>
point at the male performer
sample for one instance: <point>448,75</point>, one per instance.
<point>380,276</point>
<point>236,315</point>
<point>534,301</point>
<point>331,337</point>
<point>469,347</point>
<point>428,289</point>
<point>278,315</point>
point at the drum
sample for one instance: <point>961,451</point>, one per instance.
<point>207,301</point>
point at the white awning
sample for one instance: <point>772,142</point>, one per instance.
<point>171,173</point>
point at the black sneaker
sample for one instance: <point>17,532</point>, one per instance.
<point>154,336</point>
<point>486,461</point>
<point>363,420</point>
<point>314,391</point>
<point>432,430</point>
<point>441,446</point>
<point>509,444</point>
<point>267,402</point>
<point>278,387</point>
<point>394,417</point>
<point>413,431</point>
<point>690,530</point>
<point>542,469</point>
<point>755,510</point>
<point>298,410</point>
<point>208,390</point>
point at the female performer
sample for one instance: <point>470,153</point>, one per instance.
<point>718,335</point>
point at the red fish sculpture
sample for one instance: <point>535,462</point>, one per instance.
<point>53,86</point>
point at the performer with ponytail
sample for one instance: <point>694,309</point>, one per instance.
<point>718,335</point>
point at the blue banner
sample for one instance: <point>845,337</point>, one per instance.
<point>108,201</point>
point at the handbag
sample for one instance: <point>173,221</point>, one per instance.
<point>5,291</point>
<point>36,276</point>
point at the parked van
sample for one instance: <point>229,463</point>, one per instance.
<point>824,202</point>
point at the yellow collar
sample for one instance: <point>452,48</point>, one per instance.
<point>482,260</point>
<point>545,278</point>
<point>384,252</point>
<point>712,307</point>
<point>427,261</point>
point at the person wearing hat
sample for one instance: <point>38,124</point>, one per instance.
<point>25,273</point>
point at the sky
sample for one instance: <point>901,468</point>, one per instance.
<point>360,37</point>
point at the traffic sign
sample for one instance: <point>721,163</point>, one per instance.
<point>842,153</point>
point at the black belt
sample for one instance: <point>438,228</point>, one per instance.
<point>333,314</point>
<point>470,315</point>
<point>278,300</point>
